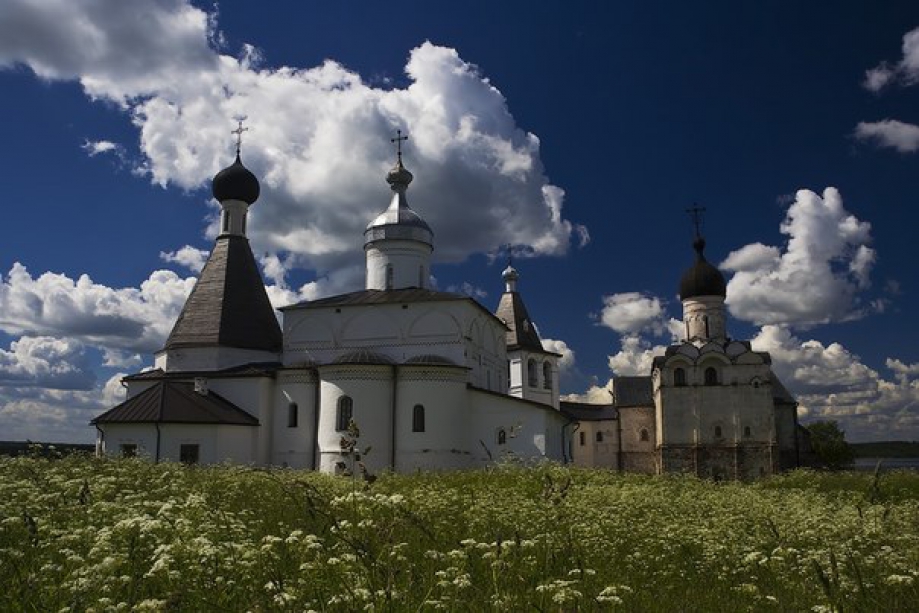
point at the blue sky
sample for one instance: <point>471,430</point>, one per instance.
<point>577,132</point>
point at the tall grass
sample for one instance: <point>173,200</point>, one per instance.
<point>86,534</point>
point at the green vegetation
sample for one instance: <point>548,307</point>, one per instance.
<point>887,449</point>
<point>85,534</point>
<point>830,446</point>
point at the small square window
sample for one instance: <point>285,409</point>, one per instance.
<point>129,450</point>
<point>188,454</point>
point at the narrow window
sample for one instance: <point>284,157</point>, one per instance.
<point>226,221</point>
<point>421,276</point>
<point>582,438</point>
<point>705,321</point>
<point>717,431</point>
<point>711,376</point>
<point>188,454</point>
<point>418,418</point>
<point>292,415</point>
<point>643,435</point>
<point>389,276</point>
<point>502,436</point>
<point>599,437</point>
<point>488,379</point>
<point>746,432</point>
<point>244,224</point>
<point>547,375</point>
<point>128,450</point>
<point>679,377</point>
<point>532,376</point>
<point>344,414</point>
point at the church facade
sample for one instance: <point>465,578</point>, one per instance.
<point>400,376</point>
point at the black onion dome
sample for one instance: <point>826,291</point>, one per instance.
<point>702,279</point>
<point>236,182</point>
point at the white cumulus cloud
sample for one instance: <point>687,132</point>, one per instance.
<point>41,361</point>
<point>133,319</point>
<point>319,136</point>
<point>190,257</point>
<point>816,278</point>
<point>905,71</point>
<point>904,137</point>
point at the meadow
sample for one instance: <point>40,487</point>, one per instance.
<point>84,534</point>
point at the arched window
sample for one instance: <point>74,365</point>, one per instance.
<point>293,416</point>
<point>679,377</point>
<point>599,437</point>
<point>547,375</point>
<point>226,221</point>
<point>244,224</point>
<point>532,375</point>
<point>746,432</point>
<point>711,376</point>
<point>418,418</point>
<point>705,323</point>
<point>389,276</point>
<point>345,413</point>
<point>643,435</point>
<point>502,436</point>
<point>717,431</point>
<point>582,438</point>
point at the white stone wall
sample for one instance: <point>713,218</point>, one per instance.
<point>209,358</point>
<point>457,330</point>
<point>216,443</point>
<point>586,450</point>
<point>294,446</point>
<point>410,261</point>
<point>704,318</point>
<point>532,431</point>
<point>444,443</point>
<point>370,389</point>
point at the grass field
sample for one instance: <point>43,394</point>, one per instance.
<point>85,534</point>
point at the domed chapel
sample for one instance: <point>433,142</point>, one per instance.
<point>428,379</point>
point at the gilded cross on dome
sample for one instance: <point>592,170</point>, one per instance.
<point>398,140</point>
<point>239,133</point>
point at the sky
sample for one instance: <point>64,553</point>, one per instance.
<point>573,135</point>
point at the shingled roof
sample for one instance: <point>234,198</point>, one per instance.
<point>228,306</point>
<point>178,403</point>
<point>521,332</point>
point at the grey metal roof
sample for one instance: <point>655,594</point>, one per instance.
<point>379,296</point>
<point>582,411</point>
<point>255,369</point>
<point>362,356</point>
<point>633,392</point>
<point>176,402</point>
<point>780,393</point>
<point>430,360</point>
<point>521,332</point>
<point>228,306</point>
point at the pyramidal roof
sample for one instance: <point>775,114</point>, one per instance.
<point>228,306</point>
<point>521,333</point>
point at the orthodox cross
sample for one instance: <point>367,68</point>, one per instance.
<point>398,140</point>
<point>696,213</point>
<point>239,133</point>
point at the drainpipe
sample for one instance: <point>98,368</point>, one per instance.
<point>157,458</point>
<point>316,401</point>
<point>100,448</point>
<point>619,440</point>
<point>568,445</point>
<point>392,432</point>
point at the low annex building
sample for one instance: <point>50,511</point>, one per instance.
<point>427,379</point>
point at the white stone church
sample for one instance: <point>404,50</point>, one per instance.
<point>432,380</point>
